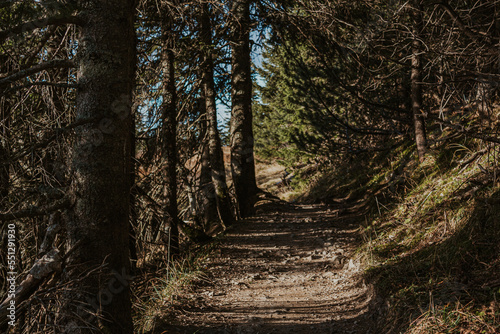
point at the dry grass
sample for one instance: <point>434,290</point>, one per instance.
<point>431,235</point>
<point>458,318</point>
<point>437,248</point>
<point>157,292</point>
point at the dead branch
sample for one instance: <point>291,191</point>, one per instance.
<point>473,35</point>
<point>43,83</point>
<point>57,63</point>
<point>50,139</point>
<point>474,157</point>
<point>52,231</point>
<point>42,269</point>
<point>462,129</point>
<point>37,210</point>
<point>40,23</point>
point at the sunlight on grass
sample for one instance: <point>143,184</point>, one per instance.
<point>430,232</point>
<point>157,293</point>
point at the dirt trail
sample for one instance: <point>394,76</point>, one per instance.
<point>288,270</point>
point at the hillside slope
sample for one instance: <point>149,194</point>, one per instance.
<point>431,233</point>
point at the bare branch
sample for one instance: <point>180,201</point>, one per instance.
<point>52,231</point>
<point>49,140</point>
<point>462,129</point>
<point>57,63</point>
<point>43,83</point>
<point>40,23</point>
<point>37,210</point>
<point>474,35</point>
<point>43,268</point>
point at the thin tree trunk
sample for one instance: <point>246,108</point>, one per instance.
<point>169,138</point>
<point>4,188</point>
<point>54,161</point>
<point>98,228</point>
<point>133,197</point>
<point>215,147</point>
<point>4,133</point>
<point>242,159</point>
<point>416,80</point>
<point>4,147</point>
<point>208,200</point>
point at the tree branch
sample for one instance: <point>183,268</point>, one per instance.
<point>37,210</point>
<point>43,83</point>
<point>57,63</point>
<point>43,268</point>
<point>49,140</point>
<point>474,35</point>
<point>40,23</point>
<point>461,129</point>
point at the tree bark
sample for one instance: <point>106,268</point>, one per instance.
<point>98,223</point>
<point>242,159</point>
<point>416,82</point>
<point>133,200</point>
<point>4,147</point>
<point>208,211</point>
<point>214,142</point>
<point>5,108</point>
<point>169,120</point>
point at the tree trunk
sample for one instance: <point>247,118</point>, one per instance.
<point>208,213</point>
<point>169,138</point>
<point>4,133</point>
<point>133,196</point>
<point>98,228</point>
<point>215,147</point>
<point>416,80</point>
<point>242,160</point>
<point>4,147</point>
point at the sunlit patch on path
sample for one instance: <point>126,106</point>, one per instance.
<point>288,270</point>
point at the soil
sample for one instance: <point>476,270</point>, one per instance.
<point>289,269</point>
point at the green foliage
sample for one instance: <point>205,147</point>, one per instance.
<point>285,127</point>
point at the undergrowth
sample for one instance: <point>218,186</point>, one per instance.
<point>157,293</point>
<point>431,234</point>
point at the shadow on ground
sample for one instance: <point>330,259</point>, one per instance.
<point>289,269</point>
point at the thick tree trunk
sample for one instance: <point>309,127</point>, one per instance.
<point>169,138</point>
<point>242,159</point>
<point>416,80</point>
<point>98,228</point>
<point>215,147</point>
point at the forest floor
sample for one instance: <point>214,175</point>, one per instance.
<point>288,269</point>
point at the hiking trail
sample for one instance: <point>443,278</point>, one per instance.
<point>289,269</point>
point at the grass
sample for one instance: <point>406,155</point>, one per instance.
<point>438,248</point>
<point>430,231</point>
<point>156,293</point>
<point>431,234</point>
<point>458,318</point>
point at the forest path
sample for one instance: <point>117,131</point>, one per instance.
<point>289,269</point>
